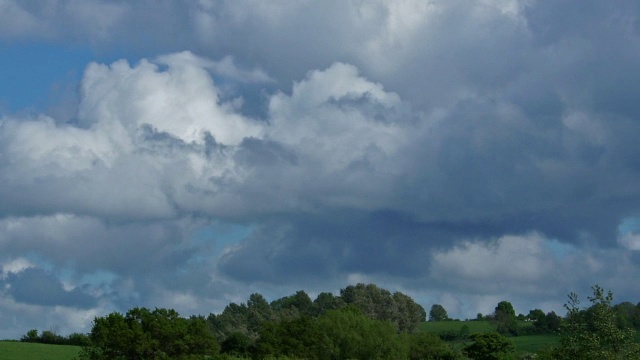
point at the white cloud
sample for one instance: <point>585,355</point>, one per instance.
<point>182,101</point>
<point>336,117</point>
<point>630,241</point>
<point>15,266</point>
<point>510,258</point>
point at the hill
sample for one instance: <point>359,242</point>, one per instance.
<point>13,350</point>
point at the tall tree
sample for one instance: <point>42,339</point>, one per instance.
<point>594,334</point>
<point>380,304</point>
<point>490,346</point>
<point>505,317</point>
<point>325,302</point>
<point>438,313</point>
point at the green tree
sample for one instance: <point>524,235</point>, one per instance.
<point>30,336</point>
<point>408,314</point>
<point>294,306</point>
<point>380,304</point>
<point>236,344</point>
<point>325,302</point>
<point>535,315</point>
<point>505,318</point>
<point>143,334</point>
<point>233,319</point>
<point>425,346</point>
<point>438,313</point>
<point>490,346</point>
<point>376,303</point>
<point>627,315</point>
<point>594,334</point>
<point>349,334</point>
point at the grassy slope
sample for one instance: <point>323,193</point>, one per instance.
<point>11,350</point>
<point>524,344</point>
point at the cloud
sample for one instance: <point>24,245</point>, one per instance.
<point>424,145</point>
<point>37,287</point>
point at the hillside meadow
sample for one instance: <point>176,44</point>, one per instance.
<point>523,343</point>
<point>13,350</point>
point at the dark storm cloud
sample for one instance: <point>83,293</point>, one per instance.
<point>39,287</point>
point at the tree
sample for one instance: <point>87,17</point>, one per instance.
<point>349,334</point>
<point>408,314</point>
<point>325,302</point>
<point>535,315</point>
<point>143,334</point>
<point>438,313</point>
<point>291,307</point>
<point>490,346</point>
<point>376,303</point>
<point>592,333</point>
<point>31,336</point>
<point>425,346</point>
<point>505,317</point>
<point>236,344</point>
<point>380,304</point>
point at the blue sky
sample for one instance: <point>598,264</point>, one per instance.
<point>28,81</point>
<point>186,154</point>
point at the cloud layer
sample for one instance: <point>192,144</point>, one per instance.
<point>460,153</point>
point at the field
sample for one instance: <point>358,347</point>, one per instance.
<point>533,343</point>
<point>12,350</point>
<point>524,344</point>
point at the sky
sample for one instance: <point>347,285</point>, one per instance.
<point>186,154</point>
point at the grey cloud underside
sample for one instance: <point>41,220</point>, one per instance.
<point>398,141</point>
<point>33,286</point>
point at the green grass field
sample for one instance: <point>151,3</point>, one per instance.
<point>524,344</point>
<point>12,350</point>
<point>533,343</point>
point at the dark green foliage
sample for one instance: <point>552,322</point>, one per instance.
<point>345,334</point>
<point>236,344</point>
<point>78,339</point>
<point>535,315</point>
<point>438,313</point>
<point>542,323</point>
<point>291,307</point>
<point>376,303</point>
<point>349,334</point>
<point>593,333</point>
<point>30,336</point>
<point>490,346</point>
<point>143,334</point>
<point>46,337</point>
<point>505,318</point>
<point>380,304</point>
<point>293,338</point>
<point>232,320</point>
<point>325,302</point>
<point>408,314</point>
<point>627,315</point>
<point>425,346</point>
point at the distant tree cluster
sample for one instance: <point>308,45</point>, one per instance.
<point>143,334</point>
<point>375,303</point>
<point>52,337</point>
<point>363,322</point>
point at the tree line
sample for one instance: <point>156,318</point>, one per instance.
<point>363,322</point>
